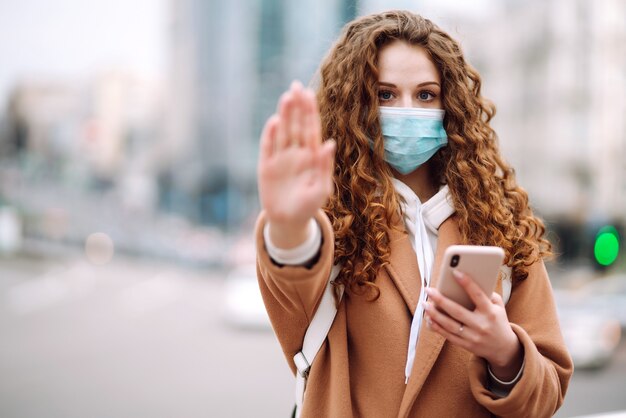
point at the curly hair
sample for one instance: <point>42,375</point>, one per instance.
<point>491,208</point>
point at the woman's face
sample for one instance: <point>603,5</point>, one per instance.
<point>407,77</point>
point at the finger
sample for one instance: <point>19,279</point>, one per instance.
<point>296,115</point>
<point>312,137</point>
<point>282,134</point>
<point>268,137</point>
<point>450,307</point>
<point>449,324</point>
<point>476,294</point>
<point>453,338</point>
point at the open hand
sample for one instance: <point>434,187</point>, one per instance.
<point>295,168</point>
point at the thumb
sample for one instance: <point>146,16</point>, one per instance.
<point>327,153</point>
<point>497,299</point>
<point>326,161</point>
<point>326,156</point>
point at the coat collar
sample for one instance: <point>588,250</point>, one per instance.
<point>403,268</point>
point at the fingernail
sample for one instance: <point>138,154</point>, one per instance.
<point>428,291</point>
<point>458,275</point>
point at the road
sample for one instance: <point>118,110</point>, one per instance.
<point>138,338</point>
<point>595,391</point>
<point>129,339</point>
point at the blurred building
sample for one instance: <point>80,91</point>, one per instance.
<point>556,70</point>
<point>42,119</point>
<point>69,146</point>
<point>230,61</point>
<point>98,129</point>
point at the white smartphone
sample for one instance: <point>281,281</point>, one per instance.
<point>482,263</point>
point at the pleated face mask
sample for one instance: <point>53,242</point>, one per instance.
<point>411,136</point>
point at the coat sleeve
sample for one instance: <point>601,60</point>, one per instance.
<point>292,293</point>
<point>548,365</point>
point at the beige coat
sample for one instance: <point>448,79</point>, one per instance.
<point>359,370</point>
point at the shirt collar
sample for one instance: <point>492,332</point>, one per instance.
<point>434,211</point>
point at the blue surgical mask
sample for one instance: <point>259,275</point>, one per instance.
<point>411,136</point>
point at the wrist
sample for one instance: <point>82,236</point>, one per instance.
<point>507,364</point>
<point>288,235</point>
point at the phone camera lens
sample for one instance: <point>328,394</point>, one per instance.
<point>455,260</point>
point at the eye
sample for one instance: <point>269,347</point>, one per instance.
<point>426,96</point>
<point>385,95</point>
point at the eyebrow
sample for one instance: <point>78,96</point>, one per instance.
<point>425,83</point>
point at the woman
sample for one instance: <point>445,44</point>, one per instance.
<point>396,185</point>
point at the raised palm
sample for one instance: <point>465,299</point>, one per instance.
<point>295,167</point>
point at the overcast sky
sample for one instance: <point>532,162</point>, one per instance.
<point>77,38</point>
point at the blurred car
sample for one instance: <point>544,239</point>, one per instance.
<point>591,335</point>
<point>10,230</point>
<point>243,305</point>
<point>607,295</point>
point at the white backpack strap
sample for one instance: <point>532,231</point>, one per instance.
<point>314,337</point>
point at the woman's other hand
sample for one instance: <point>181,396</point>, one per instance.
<point>485,331</point>
<point>295,168</point>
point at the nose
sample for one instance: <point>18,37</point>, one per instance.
<point>406,101</point>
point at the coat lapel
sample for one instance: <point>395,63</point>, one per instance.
<point>429,343</point>
<point>403,269</point>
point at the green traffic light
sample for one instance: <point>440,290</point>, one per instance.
<point>606,247</point>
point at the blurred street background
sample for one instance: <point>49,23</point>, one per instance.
<point>128,146</point>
